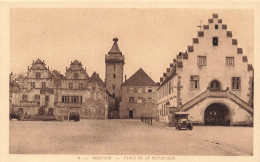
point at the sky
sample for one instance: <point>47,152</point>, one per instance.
<point>149,38</point>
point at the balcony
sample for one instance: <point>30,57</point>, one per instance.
<point>221,94</point>
<point>29,103</point>
<point>69,104</point>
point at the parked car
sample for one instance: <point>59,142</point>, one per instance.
<point>184,124</point>
<point>74,116</point>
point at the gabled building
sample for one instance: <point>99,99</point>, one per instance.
<point>138,96</point>
<point>48,93</point>
<point>212,80</point>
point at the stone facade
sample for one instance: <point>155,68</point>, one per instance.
<point>114,75</point>
<point>138,96</point>
<point>114,70</point>
<point>213,74</point>
<point>48,93</point>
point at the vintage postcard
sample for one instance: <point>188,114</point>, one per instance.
<point>121,81</point>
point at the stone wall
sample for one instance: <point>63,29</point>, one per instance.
<point>145,108</point>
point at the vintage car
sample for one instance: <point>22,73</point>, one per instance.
<point>184,124</point>
<point>74,116</point>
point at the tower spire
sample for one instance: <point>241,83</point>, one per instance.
<point>115,49</point>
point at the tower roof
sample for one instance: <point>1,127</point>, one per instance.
<point>139,78</point>
<point>115,49</point>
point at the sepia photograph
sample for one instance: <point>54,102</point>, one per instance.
<point>131,84</point>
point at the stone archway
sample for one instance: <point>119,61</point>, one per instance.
<point>217,114</point>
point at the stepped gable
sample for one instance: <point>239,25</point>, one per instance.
<point>139,78</point>
<point>190,49</point>
<point>38,65</point>
<point>96,79</point>
<point>206,27</point>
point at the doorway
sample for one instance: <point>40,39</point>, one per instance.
<point>131,114</point>
<point>217,114</point>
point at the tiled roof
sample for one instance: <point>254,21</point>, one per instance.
<point>115,49</point>
<point>95,78</point>
<point>139,78</point>
<point>168,78</point>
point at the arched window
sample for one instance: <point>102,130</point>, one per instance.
<point>215,85</point>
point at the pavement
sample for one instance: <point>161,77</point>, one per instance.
<point>126,137</point>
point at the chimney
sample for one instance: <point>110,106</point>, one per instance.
<point>125,77</point>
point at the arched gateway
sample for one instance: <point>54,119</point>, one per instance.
<point>217,114</point>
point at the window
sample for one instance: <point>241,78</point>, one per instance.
<point>33,84</point>
<point>37,98</point>
<point>114,86</point>
<point>163,110</point>
<point>114,94</point>
<point>76,75</point>
<point>46,98</point>
<point>216,26</point>
<point>215,41</point>
<point>236,82</point>
<point>131,99</point>
<point>65,99</point>
<point>43,84</point>
<point>38,75</point>
<point>140,90</point>
<point>25,98</point>
<point>70,85</point>
<point>150,89</point>
<point>202,60</point>
<point>172,86</point>
<point>80,85</point>
<point>169,88</point>
<point>229,61</point>
<point>194,82</point>
<point>114,75</point>
<point>131,90</point>
<point>20,110</point>
<point>71,99</point>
